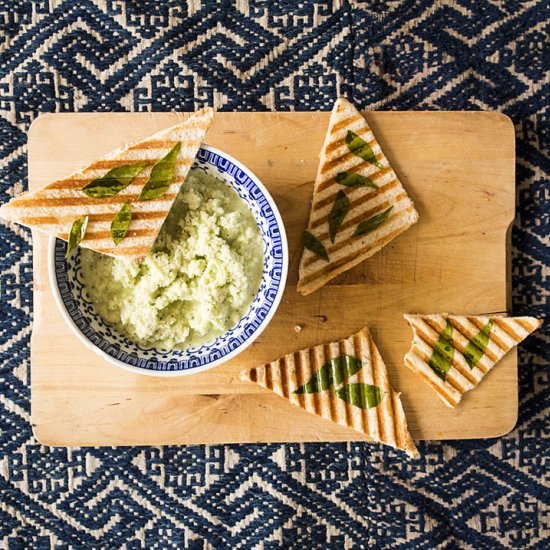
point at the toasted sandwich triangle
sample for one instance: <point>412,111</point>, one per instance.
<point>338,162</point>
<point>55,207</point>
<point>294,376</point>
<point>477,343</point>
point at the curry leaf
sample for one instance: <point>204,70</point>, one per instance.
<point>353,179</point>
<point>315,245</point>
<point>121,222</point>
<point>320,381</point>
<point>345,366</point>
<point>161,175</point>
<point>443,352</point>
<point>337,214</point>
<point>76,234</point>
<point>358,146</point>
<point>114,180</point>
<point>475,349</point>
<point>372,223</point>
<point>332,373</point>
<point>364,396</point>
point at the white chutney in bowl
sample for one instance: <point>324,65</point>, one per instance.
<point>207,290</point>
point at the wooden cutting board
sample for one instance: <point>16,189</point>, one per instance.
<point>459,169</point>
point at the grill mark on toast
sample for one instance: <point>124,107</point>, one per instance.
<point>283,370</point>
<point>333,399</point>
<point>132,233</point>
<point>346,122</point>
<point>315,367</point>
<point>333,145</point>
<point>100,217</point>
<point>393,405</point>
<point>268,376</point>
<point>526,325</point>
<point>79,183</point>
<point>337,143</point>
<point>92,236</point>
<point>310,365</point>
<point>325,184</point>
<point>331,164</point>
<point>115,163</point>
<point>300,379</point>
<point>374,367</point>
<point>53,202</point>
<point>361,345</point>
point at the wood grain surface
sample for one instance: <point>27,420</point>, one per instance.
<point>459,169</point>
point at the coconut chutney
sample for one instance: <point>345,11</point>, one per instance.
<point>200,279</point>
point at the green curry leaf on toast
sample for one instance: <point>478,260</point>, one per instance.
<point>121,223</point>
<point>358,146</point>
<point>76,233</point>
<point>315,245</point>
<point>443,352</point>
<point>476,347</point>
<point>364,396</point>
<point>161,175</point>
<point>353,179</point>
<point>372,223</point>
<point>337,214</point>
<point>114,181</point>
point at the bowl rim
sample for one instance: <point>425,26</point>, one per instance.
<point>184,372</point>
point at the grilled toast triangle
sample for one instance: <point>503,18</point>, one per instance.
<point>453,353</point>
<point>54,208</point>
<point>345,382</point>
<point>351,164</point>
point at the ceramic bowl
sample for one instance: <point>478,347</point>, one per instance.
<point>78,310</point>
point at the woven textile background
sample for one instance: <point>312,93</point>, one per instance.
<point>110,55</point>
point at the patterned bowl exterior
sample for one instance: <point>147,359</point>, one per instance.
<point>78,310</point>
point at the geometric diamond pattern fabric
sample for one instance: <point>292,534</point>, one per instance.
<point>110,55</point>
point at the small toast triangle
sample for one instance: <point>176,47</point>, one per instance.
<point>353,171</point>
<point>54,208</point>
<point>453,353</point>
<point>345,382</point>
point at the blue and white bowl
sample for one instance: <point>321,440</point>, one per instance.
<point>78,310</point>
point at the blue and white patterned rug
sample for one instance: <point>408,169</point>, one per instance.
<point>110,55</point>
